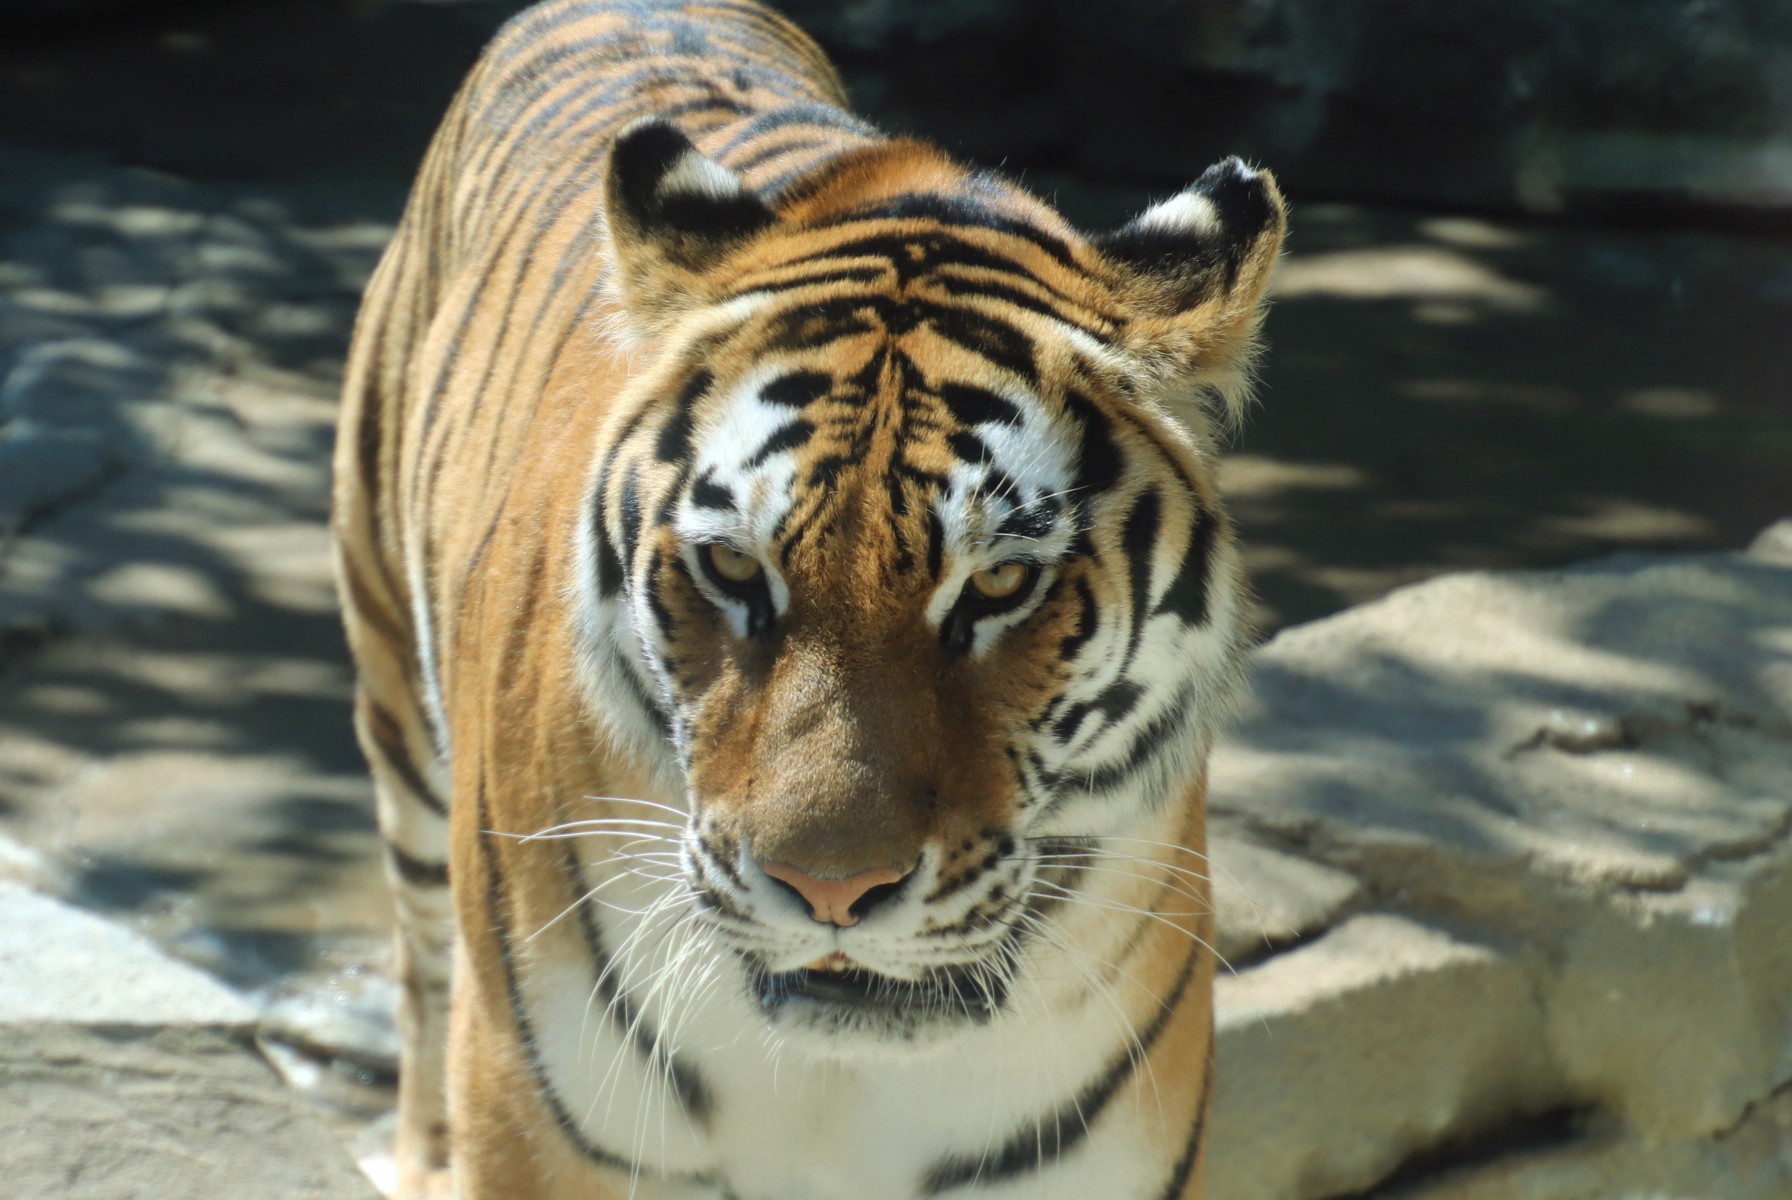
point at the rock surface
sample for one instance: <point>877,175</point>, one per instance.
<point>1565,802</point>
<point>60,964</point>
<point>99,1112</point>
<point>125,1075</point>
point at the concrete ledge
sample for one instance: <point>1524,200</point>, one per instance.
<point>125,1075</point>
<point>61,964</point>
<point>1339,1061</point>
<point>1553,812</point>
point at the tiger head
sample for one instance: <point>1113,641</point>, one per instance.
<point>905,564</point>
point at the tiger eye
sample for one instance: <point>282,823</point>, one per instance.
<point>732,565</point>
<point>1000,582</point>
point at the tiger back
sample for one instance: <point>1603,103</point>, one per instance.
<point>792,609</point>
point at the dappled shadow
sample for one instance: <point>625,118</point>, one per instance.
<point>1618,722</point>
<point>174,685</point>
<point>1439,394</point>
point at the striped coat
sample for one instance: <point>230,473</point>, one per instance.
<point>791,607</point>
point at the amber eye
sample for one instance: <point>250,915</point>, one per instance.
<point>1000,582</point>
<point>732,565</point>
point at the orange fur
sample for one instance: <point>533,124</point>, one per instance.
<point>516,364</point>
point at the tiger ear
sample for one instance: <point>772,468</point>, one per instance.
<point>1195,269</point>
<point>673,214</point>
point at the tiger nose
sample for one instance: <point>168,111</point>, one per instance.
<point>838,901</point>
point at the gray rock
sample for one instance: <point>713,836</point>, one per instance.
<point>40,470</point>
<point>20,864</point>
<point>1264,899</point>
<point>77,381</point>
<point>1585,778</point>
<point>347,1016</point>
<point>99,1112</point>
<point>1339,1061</point>
<point>1774,544</point>
<point>61,964</point>
<point>127,1076</point>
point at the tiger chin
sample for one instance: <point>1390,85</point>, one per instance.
<point>792,609</point>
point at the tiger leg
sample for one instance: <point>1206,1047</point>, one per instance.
<point>510,1141</point>
<point>1182,1068</point>
<point>414,823</point>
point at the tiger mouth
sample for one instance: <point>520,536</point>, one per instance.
<point>835,983</point>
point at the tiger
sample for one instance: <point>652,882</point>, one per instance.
<point>791,608</point>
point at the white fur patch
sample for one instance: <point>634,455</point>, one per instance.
<point>695,175</point>
<point>1186,212</point>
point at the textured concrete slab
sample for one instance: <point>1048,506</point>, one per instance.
<point>125,1075</point>
<point>60,964</point>
<point>113,1112</point>
<point>1339,1061</point>
<point>1264,899</point>
<point>1566,798</point>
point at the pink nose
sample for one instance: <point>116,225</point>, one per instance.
<point>832,900</point>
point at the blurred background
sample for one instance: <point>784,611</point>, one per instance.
<point>1536,308</point>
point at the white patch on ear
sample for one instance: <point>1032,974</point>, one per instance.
<point>695,175</point>
<point>1185,212</point>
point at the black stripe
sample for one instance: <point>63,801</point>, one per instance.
<point>674,442</point>
<point>1073,643</point>
<point>388,736</point>
<point>372,611</point>
<point>1041,1143</point>
<point>960,211</point>
<point>416,871</point>
<point>811,326</point>
<point>969,447</point>
<point>662,616</point>
<point>1191,1149</point>
<point>1169,722</point>
<point>525,1030</point>
<point>1187,594</point>
<point>977,406</point>
<point>844,275</point>
<point>825,116</point>
<point>1013,295</point>
<point>1138,543</point>
<point>609,566</point>
<point>787,437</point>
<point>707,493</point>
<point>656,716</point>
<point>631,517</point>
<point>798,389</point>
<point>1029,522</point>
<point>513,659</point>
<point>1098,458</point>
<point>1113,702</point>
<point>694,1095</point>
<point>1001,344</point>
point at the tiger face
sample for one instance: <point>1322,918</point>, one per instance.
<point>904,564</point>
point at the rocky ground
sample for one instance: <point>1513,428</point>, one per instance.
<point>1505,865</point>
<point>1460,825</point>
